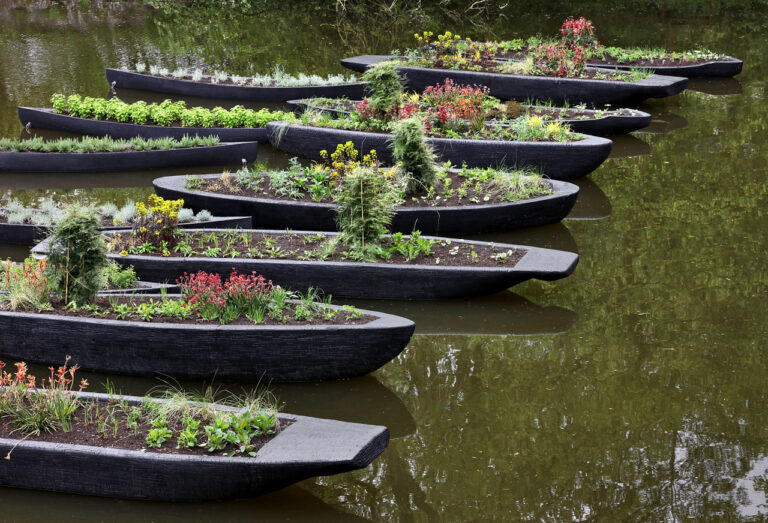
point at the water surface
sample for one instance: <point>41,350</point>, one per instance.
<point>634,390</point>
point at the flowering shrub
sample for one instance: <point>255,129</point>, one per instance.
<point>579,33</point>
<point>156,222</point>
<point>557,60</point>
<point>241,295</point>
<point>32,409</point>
<point>26,284</point>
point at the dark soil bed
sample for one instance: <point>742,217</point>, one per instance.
<point>104,313</point>
<point>545,112</point>
<point>418,200</point>
<point>491,66</point>
<point>86,432</point>
<point>609,60</point>
<point>295,246</point>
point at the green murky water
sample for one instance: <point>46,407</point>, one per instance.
<point>635,390</point>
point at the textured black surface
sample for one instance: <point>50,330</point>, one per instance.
<point>616,122</point>
<point>308,447</point>
<point>195,351</point>
<point>545,88</point>
<point>230,153</point>
<point>366,280</point>
<point>557,160</point>
<point>715,69</point>
<point>467,219</point>
<point>24,234</point>
<point>39,118</point>
<point>134,80</point>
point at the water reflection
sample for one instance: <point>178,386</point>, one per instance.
<point>663,122</point>
<point>290,504</point>
<point>555,236</point>
<point>592,203</point>
<point>13,252</point>
<point>627,146</point>
<point>715,86</point>
<point>503,314</point>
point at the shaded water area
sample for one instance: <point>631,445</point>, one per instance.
<point>634,390</point>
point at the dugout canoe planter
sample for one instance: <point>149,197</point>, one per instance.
<point>120,79</point>
<point>225,153</point>
<point>557,160</point>
<point>598,123</point>
<point>306,448</point>
<point>29,234</point>
<point>725,67</point>
<point>546,88</point>
<point>352,279</point>
<point>198,351</point>
<point>42,118</point>
<point>445,220</point>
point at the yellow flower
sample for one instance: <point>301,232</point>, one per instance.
<point>553,128</point>
<point>535,121</point>
<point>414,97</point>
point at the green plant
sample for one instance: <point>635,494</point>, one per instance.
<point>410,149</point>
<point>77,256</point>
<point>385,85</point>
<point>365,210</point>
<point>120,278</point>
<point>157,436</point>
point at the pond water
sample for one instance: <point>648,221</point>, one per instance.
<point>634,390</point>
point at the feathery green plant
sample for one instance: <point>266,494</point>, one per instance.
<point>365,210</point>
<point>417,158</point>
<point>385,86</point>
<point>77,257</point>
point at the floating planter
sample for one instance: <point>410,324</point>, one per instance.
<point>36,224</point>
<point>117,119</point>
<point>87,155</point>
<point>430,218</point>
<point>509,86</point>
<point>190,350</point>
<point>724,67</point>
<point>144,464</point>
<point>451,271</point>
<point>581,33</point>
<point>559,160</point>
<point>579,119</point>
<point>207,86</point>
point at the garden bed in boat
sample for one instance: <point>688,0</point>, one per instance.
<point>29,233</point>
<point>305,447</point>
<point>228,153</point>
<point>355,343</point>
<point>669,65</point>
<point>580,119</point>
<point>557,160</point>
<point>204,88</point>
<point>445,217</point>
<point>43,118</point>
<point>498,266</point>
<point>508,86</point>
